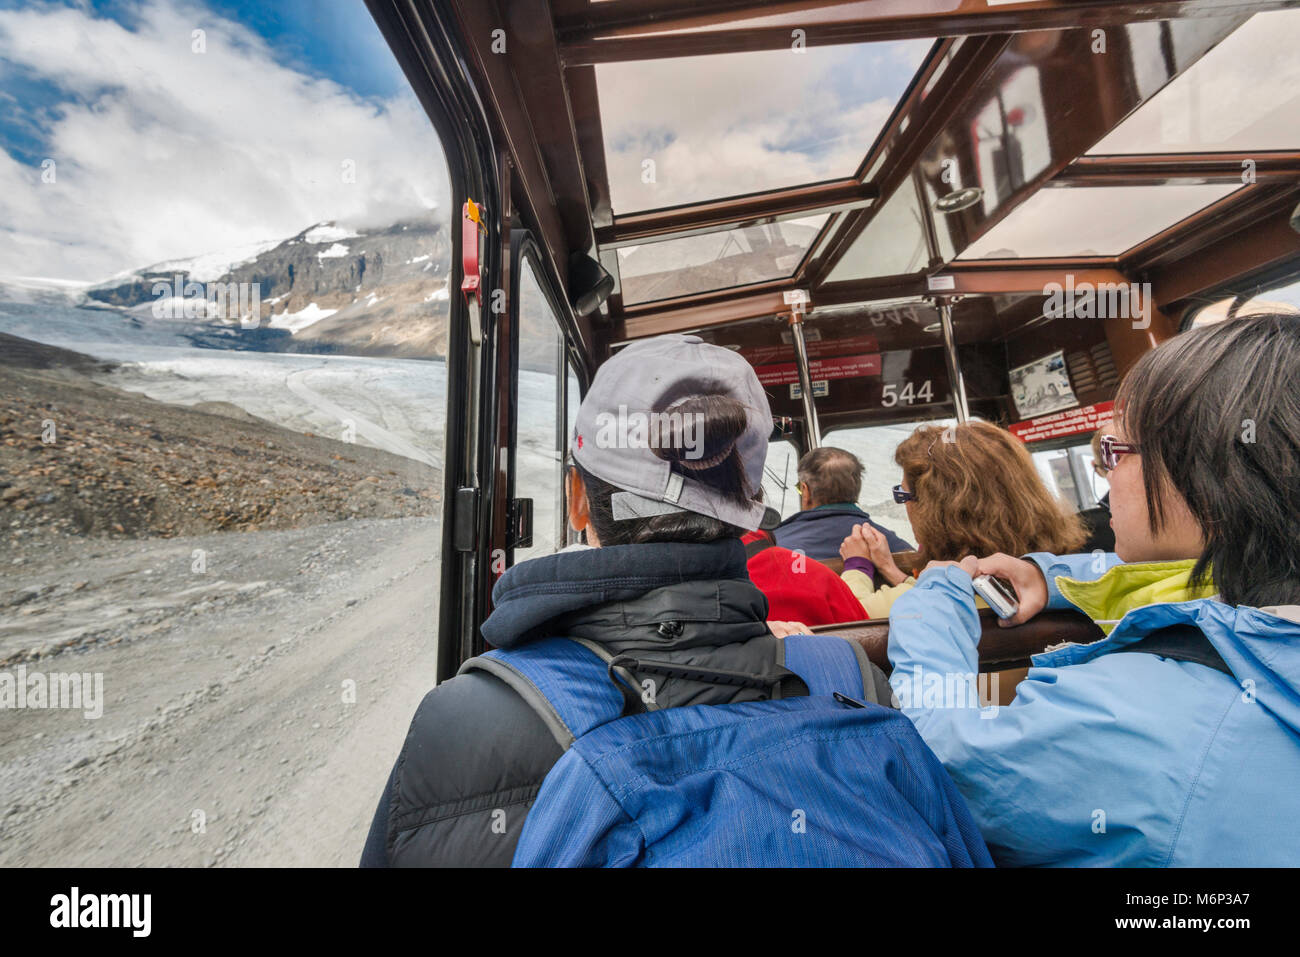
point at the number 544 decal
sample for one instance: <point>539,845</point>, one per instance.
<point>908,395</point>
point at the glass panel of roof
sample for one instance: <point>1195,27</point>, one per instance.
<point>693,129</point>
<point>893,244</point>
<point>1092,220</point>
<point>1241,96</point>
<point>805,17</point>
<point>733,257</point>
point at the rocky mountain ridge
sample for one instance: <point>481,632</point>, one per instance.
<point>328,289</point>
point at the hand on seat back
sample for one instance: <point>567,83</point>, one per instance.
<point>868,542</point>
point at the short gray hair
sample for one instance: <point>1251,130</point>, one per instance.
<point>832,475</point>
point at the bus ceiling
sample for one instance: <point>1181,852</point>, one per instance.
<point>927,172</point>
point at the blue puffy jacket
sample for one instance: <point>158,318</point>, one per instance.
<point>1115,759</point>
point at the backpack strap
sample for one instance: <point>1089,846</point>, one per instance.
<point>1181,642</point>
<point>829,663</point>
<point>567,682</point>
<point>564,682</point>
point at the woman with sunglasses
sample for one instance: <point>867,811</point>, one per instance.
<point>1175,740</point>
<point>969,490</point>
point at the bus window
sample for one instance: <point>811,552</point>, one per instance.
<point>780,476</point>
<point>1055,471</point>
<point>1093,484</point>
<point>541,433</point>
<point>1283,298</point>
<point>226,504</point>
<point>874,446</point>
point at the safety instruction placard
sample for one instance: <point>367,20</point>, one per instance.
<point>1086,419</point>
<point>839,367</point>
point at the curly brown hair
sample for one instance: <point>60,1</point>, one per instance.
<point>977,493</point>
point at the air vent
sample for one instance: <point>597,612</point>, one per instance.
<point>1093,370</point>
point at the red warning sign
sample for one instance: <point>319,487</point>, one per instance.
<point>1085,419</point>
<point>840,367</point>
<point>757,355</point>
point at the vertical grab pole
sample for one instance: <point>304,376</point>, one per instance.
<point>954,366</point>
<point>805,380</point>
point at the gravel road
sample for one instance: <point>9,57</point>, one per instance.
<point>228,734</point>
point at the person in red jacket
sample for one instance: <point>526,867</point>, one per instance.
<point>800,591</point>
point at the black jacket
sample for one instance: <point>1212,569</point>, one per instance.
<point>476,753</point>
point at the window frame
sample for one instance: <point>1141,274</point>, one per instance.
<point>525,253</point>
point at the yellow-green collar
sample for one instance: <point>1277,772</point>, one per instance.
<point>1125,587</point>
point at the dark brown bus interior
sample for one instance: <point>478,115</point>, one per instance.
<point>1092,144</point>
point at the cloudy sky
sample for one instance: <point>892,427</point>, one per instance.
<point>742,122</point>
<point>161,152</point>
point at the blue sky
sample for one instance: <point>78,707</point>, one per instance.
<point>331,38</point>
<point>162,153</point>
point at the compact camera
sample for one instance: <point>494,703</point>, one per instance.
<point>998,594</point>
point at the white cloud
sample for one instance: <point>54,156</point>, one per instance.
<point>746,122</point>
<point>162,152</point>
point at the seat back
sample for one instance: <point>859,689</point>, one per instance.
<point>1000,648</point>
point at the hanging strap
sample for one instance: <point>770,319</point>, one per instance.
<point>569,685</point>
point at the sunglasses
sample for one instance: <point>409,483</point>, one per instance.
<point>902,496</point>
<point>1111,450</point>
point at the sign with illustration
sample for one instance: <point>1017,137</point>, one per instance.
<point>1042,386</point>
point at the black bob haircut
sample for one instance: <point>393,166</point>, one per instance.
<point>1215,414</point>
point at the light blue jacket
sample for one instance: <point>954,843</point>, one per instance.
<point>1114,759</point>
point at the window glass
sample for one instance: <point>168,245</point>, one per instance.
<point>874,446</point>
<point>690,129</point>
<point>893,244</point>
<point>1092,485</point>
<point>540,438</point>
<point>1054,468</point>
<point>1284,298</point>
<point>1241,96</point>
<point>223,309</point>
<point>1092,220</point>
<point>780,475</point>
<point>734,257</point>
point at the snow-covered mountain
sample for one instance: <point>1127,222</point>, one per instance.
<point>329,289</point>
